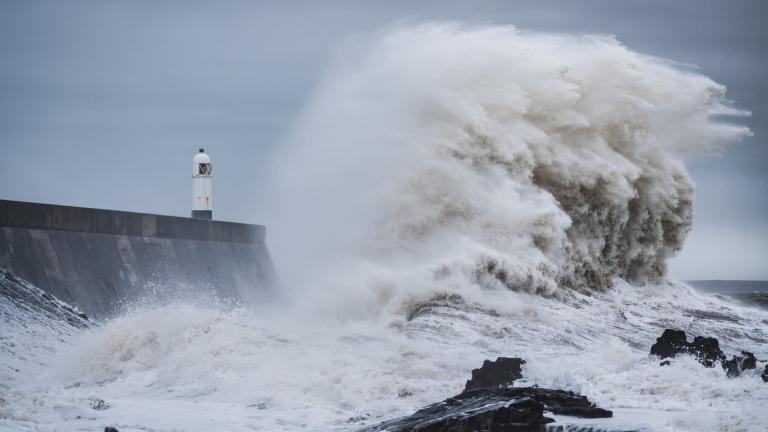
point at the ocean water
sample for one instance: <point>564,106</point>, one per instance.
<point>749,292</point>
<point>450,194</point>
<point>187,366</point>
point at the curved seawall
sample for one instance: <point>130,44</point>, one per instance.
<point>98,259</point>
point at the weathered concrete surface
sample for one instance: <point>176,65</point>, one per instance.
<point>99,259</point>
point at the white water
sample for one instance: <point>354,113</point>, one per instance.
<point>188,367</point>
<point>449,195</point>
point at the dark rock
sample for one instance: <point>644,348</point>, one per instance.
<point>480,410</point>
<point>489,403</point>
<point>738,364</point>
<point>558,401</point>
<point>670,344</point>
<point>98,404</point>
<point>707,351</point>
<point>496,374</point>
<point>749,362</point>
<point>502,409</point>
<point>589,428</point>
<point>665,363</point>
<point>110,429</point>
<point>674,342</point>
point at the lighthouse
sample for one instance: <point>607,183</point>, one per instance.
<point>202,202</point>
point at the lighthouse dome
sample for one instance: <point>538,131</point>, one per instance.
<point>201,163</point>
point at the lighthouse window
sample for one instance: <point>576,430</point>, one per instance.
<point>204,169</point>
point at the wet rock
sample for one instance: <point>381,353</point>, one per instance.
<point>738,364</point>
<point>513,409</point>
<point>749,361</point>
<point>671,343</point>
<point>674,342</point>
<point>490,403</point>
<point>589,428</point>
<point>558,401</point>
<point>707,351</point>
<point>98,404</point>
<point>474,410</point>
<point>496,374</point>
<point>110,429</point>
<point>764,375</point>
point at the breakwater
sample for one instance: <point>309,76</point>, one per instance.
<point>100,259</point>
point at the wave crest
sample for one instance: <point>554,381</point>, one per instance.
<point>521,160</point>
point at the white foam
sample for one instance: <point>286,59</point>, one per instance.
<point>496,157</point>
<point>196,368</point>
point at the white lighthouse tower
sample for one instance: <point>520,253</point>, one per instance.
<point>202,202</point>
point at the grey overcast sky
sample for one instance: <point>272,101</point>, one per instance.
<point>103,103</point>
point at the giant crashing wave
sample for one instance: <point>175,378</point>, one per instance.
<point>502,158</point>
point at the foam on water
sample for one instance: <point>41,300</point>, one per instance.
<point>449,195</point>
<point>191,367</point>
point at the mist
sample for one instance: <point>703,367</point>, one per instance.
<point>442,154</point>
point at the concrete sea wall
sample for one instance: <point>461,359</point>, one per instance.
<point>100,260</point>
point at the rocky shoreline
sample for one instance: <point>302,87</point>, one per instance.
<point>706,350</point>
<point>491,403</point>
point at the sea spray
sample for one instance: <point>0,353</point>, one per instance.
<point>453,156</point>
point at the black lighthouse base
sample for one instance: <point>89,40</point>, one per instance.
<point>202,214</point>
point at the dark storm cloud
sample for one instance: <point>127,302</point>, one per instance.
<point>103,104</point>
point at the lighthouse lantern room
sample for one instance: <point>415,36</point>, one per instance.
<point>202,203</point>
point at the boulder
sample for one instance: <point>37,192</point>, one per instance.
<point>490,403</point>
<point>738,364</point>
<point>764,375</point>
<point>474,410</point>
<point>707,351</point>
<point>496,374</point>
<point>671,343</point>
<point>514,409</point>
<point>674,342</point>
<point>559,402</point>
